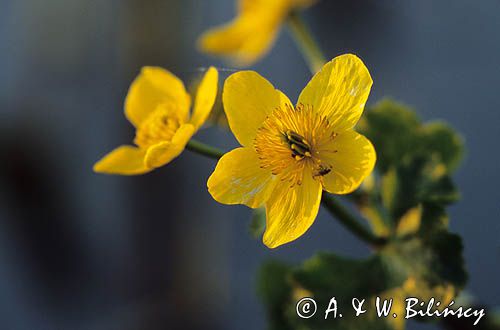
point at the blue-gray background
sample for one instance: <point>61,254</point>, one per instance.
<point>86,251</point>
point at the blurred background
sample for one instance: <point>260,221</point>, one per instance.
<point>85,251</point>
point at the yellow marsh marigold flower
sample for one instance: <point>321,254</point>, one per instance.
<point>158,106</point>
<point>291,153</point>
<point>250,35</point>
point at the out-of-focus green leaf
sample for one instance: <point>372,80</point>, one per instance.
<point>434,218</point>
<point>331,273</point>
<point>436,259</point>
<point>258,222</point>
<point>415,184</point>
<point>392,128</point>
<point>274,288</point>
<point>440,140</point>
<point>389,188</point>
<point>421,266</point>
<point>433,266</point>
<point>414,162</point>
<point>399,136</point>
<point>322,277</point>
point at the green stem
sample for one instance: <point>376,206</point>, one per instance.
<point>204,149</point>
<point>306,43</point>
<point>350,221</point>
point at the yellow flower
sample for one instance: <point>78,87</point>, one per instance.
<point>290,154</point>
<point>158,106</point>
<point>250,35</point>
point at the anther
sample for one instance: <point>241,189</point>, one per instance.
<point>298,144</point>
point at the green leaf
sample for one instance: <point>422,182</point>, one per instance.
<point>322,277</point>
<point>399,135</point>
<point>441,141</point>
<point>258,223</point>
<point>392,128</point>
<point>414,184</point>
<point>274,289</point>
<point>428,264</point>
<point>344,277</point>
<point>435,260</point>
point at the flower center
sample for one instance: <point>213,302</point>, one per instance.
<point>291,141</point>
<point>159,126</point>
<point>298,145</point>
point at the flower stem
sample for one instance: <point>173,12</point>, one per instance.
<point>350,221</point>
<point>306,43</point>
<point>204,149</point>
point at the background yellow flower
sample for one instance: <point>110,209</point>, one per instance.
<point>251,34</point>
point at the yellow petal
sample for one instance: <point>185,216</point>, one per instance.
<point>164,152</point>
<point>252,5</point>
<point>151,88</point>
<point>244,40</point>
<point>291,211</point>
<point>124,160</point>
<point>238,179</point>
<point>339,91</point>
<point>205,97</point>
<point>351,157</point>
<point>248,99</point>
<point>252,33</point>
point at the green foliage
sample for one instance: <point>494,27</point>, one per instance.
<point>321,277</point>
<point>274,289</point>
<point>399,137</point>
<point>392,128</point>
<point>407,205</point>
<point>258,222</point>
<point>414,162</point>
<point>432,264</point>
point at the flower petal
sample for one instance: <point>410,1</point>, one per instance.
<point>339,91</point>
<point>151,88</point>
<point>290,211</point>
<point>244,40</point>
<point>124,160</point>
<point>351,157</point>
<point>238,179</point>
<point>164,152</point>
<point>205,97</point>
<point>266,5</point>
<point>248,99</point>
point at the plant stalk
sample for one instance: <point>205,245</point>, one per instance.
<point>307,45</point>
<point>204,149</point>
<point>351,222</point>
